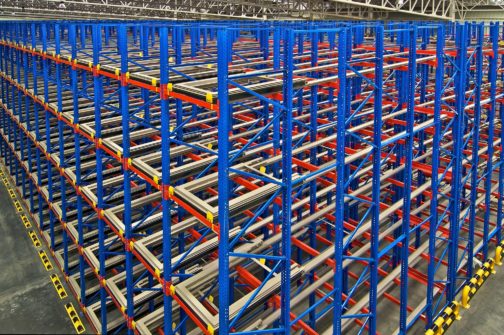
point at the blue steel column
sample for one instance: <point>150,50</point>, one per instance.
<point>375,219</point>
<point>340,182</point>
<point>146,95</point>
<point>14,106</point>
<point>433,221</point>
<point>128,234</point>
<point>38,137</point>
<point>501,157</point>
<point>10,70</point>
<point>424,75</point>
<point>59,103</point>
<point>460,81</point>
<point>276,132</point>
<point>177,42</point>
<point>402,88</point>
<point>223,175</point>
<point>72,39</point>
<point>21,135</point>
<point>405,226</point>
<point>98,96</point>
<point>475,148</point>
<point>313,157</point>
<point>28,118</point>
<point>45,68</point>
<point>492,77</point>
<point>165,156</point>
<point>288,95</point>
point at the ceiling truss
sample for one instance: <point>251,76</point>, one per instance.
<point>248,9</point>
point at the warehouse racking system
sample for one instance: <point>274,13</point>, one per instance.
<point>204,177</point>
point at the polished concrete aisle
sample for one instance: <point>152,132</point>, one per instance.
<point>29,303</point>
<point>486,314</point>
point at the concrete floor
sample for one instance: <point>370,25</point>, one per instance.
<point>486,312</point>
<point>29,303</point>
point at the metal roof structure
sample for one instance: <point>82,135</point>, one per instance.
<point>259,9</point>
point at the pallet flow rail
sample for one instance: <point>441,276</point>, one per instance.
<point>258,178</point>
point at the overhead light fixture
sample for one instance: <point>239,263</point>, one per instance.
<point>400,3</point>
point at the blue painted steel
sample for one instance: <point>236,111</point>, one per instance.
<point>224,183</point>
<point>492,77</point>
<point>122,39</point>
<point>340,172</point>
<point>475,156</point>
<point>433,222</point>
<point>377,145</point>
<point>455,207</point>
<point>287,180</point>
<point>98,96</point>
<point>360,95</point>
<point>166,202</point>
<point>407,175</point>
<point>498,227</point>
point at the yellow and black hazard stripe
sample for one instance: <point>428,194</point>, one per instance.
<point>58,286</point>
<point>34,238</point>
<point>452,311</point>
<point>18,206</point>
<point>45,260</point>
<point>445,319</point>
<point>74,317</point>
<point>26,221</point>
<point>477,281</point>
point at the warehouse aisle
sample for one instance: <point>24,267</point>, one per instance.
<point>485,314</point>
<point>28,299</point>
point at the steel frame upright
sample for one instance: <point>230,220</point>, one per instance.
<point>256,178</point>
